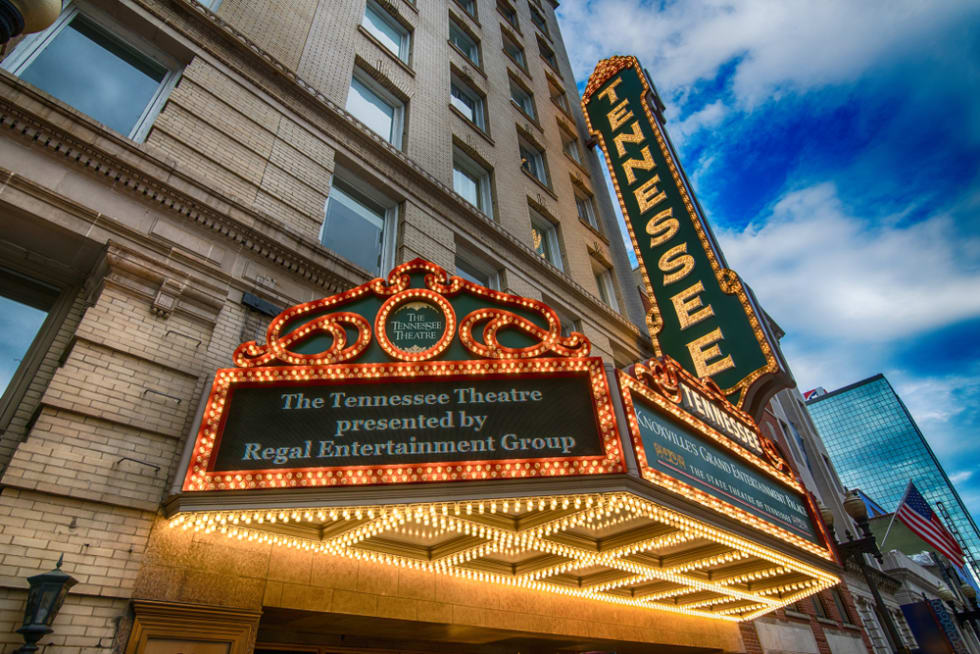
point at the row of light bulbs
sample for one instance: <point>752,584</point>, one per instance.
<point>587,509</point>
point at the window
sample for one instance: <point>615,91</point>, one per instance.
<point>607,291</point>
<point>818,606</point>
<point>376,107</point>
<point>558,96</point>
<point>845,617</point>
<point>570,146</point>
<point>522,98</point>
<point>586,210</point>
<point>538,20</point>
<point>568,324</point>
<point>387,30</point>
<point>532,162</point>
<point>467,101</point>
<point>514,51</point>
<point>476,270</point>
<point>544,239</point>
<point>509,13</point>
<point>464,42</point>
<point>469,6</point>
<point>210,4</point>
<point>24,306</point>
<point>85,64</point>
<point>472,181</point>
<point>547,54</point>
<point>358,223</point>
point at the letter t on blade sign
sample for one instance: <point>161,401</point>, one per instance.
<point>709,323</point>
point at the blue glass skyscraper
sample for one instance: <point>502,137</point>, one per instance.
<point>876,446</point>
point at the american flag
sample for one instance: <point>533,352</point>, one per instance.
<point>914,512</point>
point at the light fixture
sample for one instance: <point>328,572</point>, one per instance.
<point>485,529</point>
<point>26,16</point>
<point>854,550</point>
<point>44,600</point>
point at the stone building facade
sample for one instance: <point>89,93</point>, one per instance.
<point>174,173</point>
<point>154,243</point>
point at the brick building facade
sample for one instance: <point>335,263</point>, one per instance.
<point>152,234</point>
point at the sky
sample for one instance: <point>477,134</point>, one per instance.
<point>835,148</point>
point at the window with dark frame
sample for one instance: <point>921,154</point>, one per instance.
<point>841,607</point>
<point>559,97</point>
<point>469,6</point>
<point>818,606</point>
<point>548,55</point>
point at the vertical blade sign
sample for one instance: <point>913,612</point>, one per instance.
<point>702,315</point>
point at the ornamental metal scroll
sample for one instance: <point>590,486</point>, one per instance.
<point>355,325</point>
<point>664,377</point>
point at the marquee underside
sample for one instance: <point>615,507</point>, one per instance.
<point>612,547</point>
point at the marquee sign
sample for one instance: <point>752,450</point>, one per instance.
<point>385,383</point>
<point>690,440</point>
<point>702,315</point>
<point>425,377</point>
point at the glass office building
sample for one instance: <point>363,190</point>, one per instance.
<point>876,446</point>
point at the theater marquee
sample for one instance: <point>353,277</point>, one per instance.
<point>424,421</point>
<point>690,440</point>
<point>341,417</point>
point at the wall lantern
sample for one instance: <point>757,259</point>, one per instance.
<point>26,16</point>
<point>44,600</point>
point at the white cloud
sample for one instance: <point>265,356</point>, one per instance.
<point>960,476</point>
<point>822,273</point>
<point>781,46</point>
<point>709,116</point>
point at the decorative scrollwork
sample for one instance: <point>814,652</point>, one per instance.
<point>549,340</point>
<point>279,348</point>
<point>507,314</point>
<point>728,281</point>
<point>775,457</point>
<point>660,377</point>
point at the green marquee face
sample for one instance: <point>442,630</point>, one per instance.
<point>702,315</point>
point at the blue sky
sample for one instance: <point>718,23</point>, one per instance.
<point>835,147</point>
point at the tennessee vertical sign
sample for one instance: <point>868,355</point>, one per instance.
<point>702,315</point>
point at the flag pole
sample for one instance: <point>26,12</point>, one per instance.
<point>895,513</point>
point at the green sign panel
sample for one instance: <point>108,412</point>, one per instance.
<point>415,327</point>
<point>682,454</point>
<point>702,315</point>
